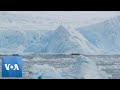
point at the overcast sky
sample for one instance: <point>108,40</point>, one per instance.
<point>79,16</point>
<point>73,18</point>
<point>70,13</point>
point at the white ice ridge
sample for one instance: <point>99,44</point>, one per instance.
<point>105,35</point>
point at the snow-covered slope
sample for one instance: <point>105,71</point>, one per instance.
<point>68,40</point>
<point>104,35</point>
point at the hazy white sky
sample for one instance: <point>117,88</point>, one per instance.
<point>74,18</point>
<point>70,13</point>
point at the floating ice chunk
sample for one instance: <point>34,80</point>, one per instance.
<point>45,72</point>
<point>85,68</point>
<point>82,68</point>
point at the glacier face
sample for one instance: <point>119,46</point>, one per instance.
<point>61,40</point>
<point>26,34</point>
<point>25,41</point>
<point>66,40</point>
<point>104,35</point>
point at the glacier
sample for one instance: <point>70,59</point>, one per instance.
<point>104,35</point>
<point>82,49</point>
<point>99,38</point>
<point>61,40</point>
